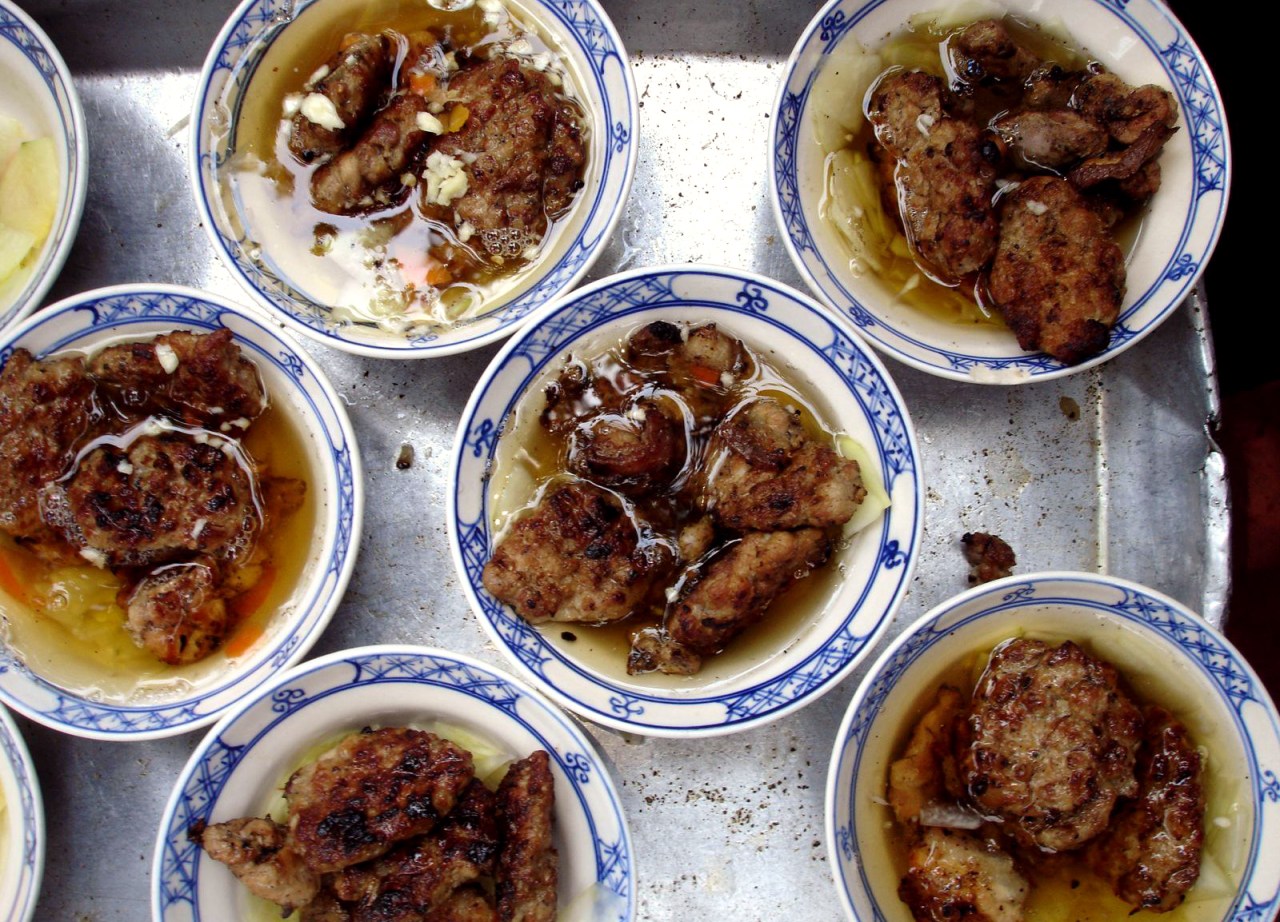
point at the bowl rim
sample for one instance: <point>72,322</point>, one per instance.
<point>15,761</point>
<point>781,687</point>
<point>75,138</point>
<point>342,527</point>
<point>1185,264</point>
<point>615,862</point>
<point>619,140</point>
<point>1153,611</point>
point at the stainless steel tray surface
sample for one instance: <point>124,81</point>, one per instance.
<point>1110,470</point>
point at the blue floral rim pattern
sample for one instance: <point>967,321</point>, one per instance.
<point>1257,725</point>
<point>28,813</point>
<point>17,29</point>
<point>1203,118</point>
<point>70,322</point>
<point>195,799</point>
<point>228,72</point>
<point>550,335</point>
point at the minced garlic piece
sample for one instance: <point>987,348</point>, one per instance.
<point>429,123</point>
<point>446,178</point>
<point>167,358</point>
<point>318,108</point>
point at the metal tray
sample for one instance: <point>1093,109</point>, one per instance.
<point>1110,470</point>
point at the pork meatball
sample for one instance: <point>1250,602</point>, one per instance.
<point>372,790</point>
<point>201,378</point>
<point>46,407</point>
<point>1058,277</point>
<point>775,476</point>
<point>953,874</point>
<point>1050,743</point>
<point>177,612</point>
<point>945,174</point>
<point>1151,853</point>
<point>155,499</point>
<point>522,143</point>
<point>577,557</point>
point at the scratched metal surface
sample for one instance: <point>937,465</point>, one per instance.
<point>1109,470</point>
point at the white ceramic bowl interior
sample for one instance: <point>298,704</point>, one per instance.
<point>36,88</point>
<point>593,52</point>
<point>851,390</point>
<point>1140,41</point>
<point>21,826</point>
<point>238,768</point>
<point>1167,654</point>
<point>194,696</point>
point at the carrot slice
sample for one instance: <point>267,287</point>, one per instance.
<point>422,83</point>
<point>9,581</point>
<point>438,276</point>
<point>708,376</point>
<point>249,601</point>
<point>243,639</point>
<point>458,117</point>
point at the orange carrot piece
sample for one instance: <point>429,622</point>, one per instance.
<point>243,639</point>
<point>458,117</point>
<point>708,376</point>
<point>438,275</point>
<point>249,601</point>
<point>9,581</point>
<point>422,83</point>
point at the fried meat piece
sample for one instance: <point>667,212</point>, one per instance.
<point>1049,86</point>
<point>177,613</point>
<point>577,395</point>
<point>634,452</point>
<point>1051,139</point>
<point>1058,277</point>
<point>355,82</point>
<point>927,773</point>
<point>163,498</point>
<point>774,476</point>
<point>202,378</point>
<point>695,539</point>
<point>702,365</point>
<point>945,174</point>
<point>368,175</point>
<point>985,51</point>
<point>989,556</point>
<point>1150,854</point>
<point>467,904</point>
<point>46,406</point>
<point>522,142</point>
<point>1050,743</point>
<point>952,874</point>
<point>324,908</point>
<point>259,854</point>
<point>577,557</point>
<point>418,877</point>
<point>653,649</point>
<point>1126,111</point>
<point>1121,164</point>
<point>740,584</point>
<point>372,790</point>
<point>528,864</point>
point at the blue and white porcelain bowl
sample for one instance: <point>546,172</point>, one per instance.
<point>239,768</point>
<point>850,389</point>
<point>21,826</point>
<point>279,281</point>
<point>97,700</point>
<point>36,89</point>
<point>1166,653</point>
<point>1140,41</point>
